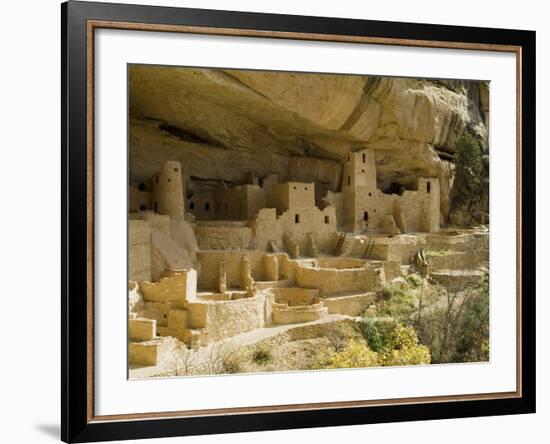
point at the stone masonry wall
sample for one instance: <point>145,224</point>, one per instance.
<point>223,237</point>
<point>179,286</point>
<point>283,314</point>
<point>209,267</point>
<point>229,318</point>
<point>139,250</point>
<point>353,305</point>
<point>331,281</point>
<point>294,296</point>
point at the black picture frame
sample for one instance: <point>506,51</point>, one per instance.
<point>77,424</point>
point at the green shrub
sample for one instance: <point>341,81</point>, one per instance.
<point>397,301</point>
<point>376,333</point>
<point>262,356</point>
<point>414,280</point>
<point>390,290</point>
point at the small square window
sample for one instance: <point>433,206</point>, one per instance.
<point>327,219</point>
<point>207,206</point>
<point>297,218</point>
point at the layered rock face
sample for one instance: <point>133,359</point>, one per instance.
<point>225,124</point>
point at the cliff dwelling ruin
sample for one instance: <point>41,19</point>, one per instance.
<point>256,210</point>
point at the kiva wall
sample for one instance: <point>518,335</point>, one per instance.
<point>331,281</point>
<point>284,314</point>
<point>353,305</point>
<point>294,296</point>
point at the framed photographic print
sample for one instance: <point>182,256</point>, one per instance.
<point>276,221</point>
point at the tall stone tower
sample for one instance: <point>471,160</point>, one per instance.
<point>359,187</point>
<point>359,170</point>
<point>168,190</point>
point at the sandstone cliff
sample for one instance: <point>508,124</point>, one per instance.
<point>223,124</point>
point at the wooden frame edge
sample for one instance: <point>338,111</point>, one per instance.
<point>284,408</point>
<point>78,423</point>
<point>92,25</point>
<point>235,32</point>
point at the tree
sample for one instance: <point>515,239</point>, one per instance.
<point>183,360</point>
<point>470,192</point>
<point>336,336</point>
<point>473,342</point>
<point>457,328</point>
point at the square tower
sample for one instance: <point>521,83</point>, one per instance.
<point>359,170</point>
<point>285,196</point>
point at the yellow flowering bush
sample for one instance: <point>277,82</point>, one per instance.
<point>402,348</point>
<point>354,355</point>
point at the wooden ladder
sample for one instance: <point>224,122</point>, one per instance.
<point>340,243</point>
<point>369,247</point>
